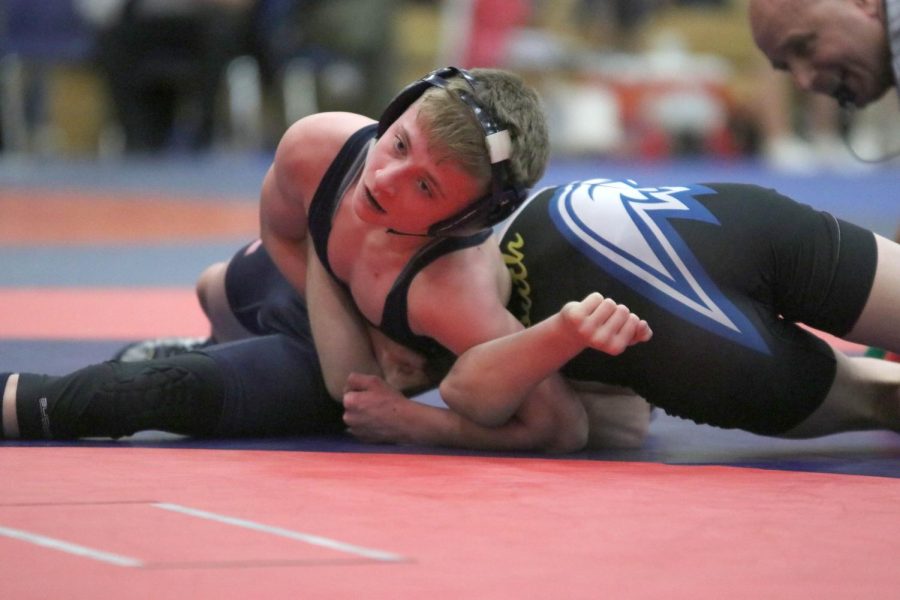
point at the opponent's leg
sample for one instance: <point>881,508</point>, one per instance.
<point>274,387</point>
<point>182,394</point>
<point>879,323</point>
<point>164,347</point>
<point>617,417</point>
<point>213,297</point>
<point>865,395</point>
<point>211,289</point>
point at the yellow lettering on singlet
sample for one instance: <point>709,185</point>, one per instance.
<point>513,257</point>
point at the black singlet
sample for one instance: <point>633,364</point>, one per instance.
<point>720,272</point>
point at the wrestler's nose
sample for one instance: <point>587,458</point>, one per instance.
<point>388,178</point>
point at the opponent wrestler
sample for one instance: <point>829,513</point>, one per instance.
<point>723,273</point>
<point>391,217</point>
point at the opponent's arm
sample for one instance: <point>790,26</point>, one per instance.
<point>477,315</point>
<point>402,368</point>
<point>490,381</point>
<point>617,417</point>
<point>546,415</point>
<point>375,412</point>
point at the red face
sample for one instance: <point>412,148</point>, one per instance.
<point>407,188</point>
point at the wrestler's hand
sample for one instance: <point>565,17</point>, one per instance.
<point>602,324</point>
<point>372,410</point>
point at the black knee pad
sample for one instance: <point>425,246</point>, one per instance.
<point>182,394</point>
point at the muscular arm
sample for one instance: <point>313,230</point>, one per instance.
<point>548,412</point>
<point>339,331</point>
<point>375,412</point>
<point>302,157</point>
<point>489,382</point>
<point>282,214</point>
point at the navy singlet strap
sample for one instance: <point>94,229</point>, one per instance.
<point>394,321</point>
<point>340,174</point>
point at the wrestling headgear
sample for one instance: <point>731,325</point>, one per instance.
<point>505,195</point>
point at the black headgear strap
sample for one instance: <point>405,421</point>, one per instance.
<point>505,195</point>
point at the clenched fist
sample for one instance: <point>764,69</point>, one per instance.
<point>602,324</point>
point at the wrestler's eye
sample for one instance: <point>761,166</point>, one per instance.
<point>425,187</point>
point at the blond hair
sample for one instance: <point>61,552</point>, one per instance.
<point>514,106</point>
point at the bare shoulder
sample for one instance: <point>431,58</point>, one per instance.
<point>329,128</point>
<point>310,144</point>
<point>460,299</point>
<point>304,153</point>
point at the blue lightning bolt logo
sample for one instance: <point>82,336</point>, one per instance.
<point>624,229</point>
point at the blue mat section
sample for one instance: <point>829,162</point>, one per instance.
<point>54,357</point>
<point>161,265</point>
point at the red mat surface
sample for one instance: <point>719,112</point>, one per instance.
<point>251,524</point>
<point>69,217</point>
<point>100,313</point>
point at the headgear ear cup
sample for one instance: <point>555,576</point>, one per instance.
<point>483,213</point>
<point>505,195</point>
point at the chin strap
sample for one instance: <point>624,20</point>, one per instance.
<point>395,232</point>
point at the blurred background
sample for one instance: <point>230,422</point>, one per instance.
<point>646,80</point>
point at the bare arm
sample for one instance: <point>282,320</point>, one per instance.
<point>282,218</point>
<point>301,159</point>
<point>339,331</point>
<point>303,155</point>
<point>375,412</point>
<point>549,412</point>
<point>403,369</point>
<point>490,381</point>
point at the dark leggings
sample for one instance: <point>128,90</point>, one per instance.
<point>181,394</point>
<point>266,386</point>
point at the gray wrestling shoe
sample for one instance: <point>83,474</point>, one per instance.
<point>160,348</point>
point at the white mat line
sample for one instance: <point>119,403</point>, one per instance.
<point>70,548</point>
<point>308,538</point>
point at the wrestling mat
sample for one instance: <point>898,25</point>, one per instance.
<point>92,256</point>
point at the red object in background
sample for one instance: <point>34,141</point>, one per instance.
<point>721,144</point>
<point>654,144</point>
<point>492,23</point>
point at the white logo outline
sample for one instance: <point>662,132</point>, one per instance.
<point>647,258</point>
